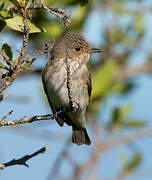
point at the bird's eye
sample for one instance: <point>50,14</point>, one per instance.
<point>77,49</point>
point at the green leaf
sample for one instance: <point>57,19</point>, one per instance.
<point>123,87</point>
<point>16,23</point>
<point>2,24</point>
<point>103,81</point>
<point>139,23</point>
<point>132,164</point>
<point>125,110</point>
<point>116,117</point>
<point>1,6</point>
<point>7,49</point>
<point>3,66</point>
<point>21,3</point>
<point>49,2</point>
<point>7,3</point>
<point>53,30</point>
<point>84,2</point>
<point>16,60</point>
<point>28,63</point>
<point>122,157</point>
<point>134,123</point>
<point>17,3</point>
<point>6,14</point>
<point>120,8</point>
<point>119,117</point>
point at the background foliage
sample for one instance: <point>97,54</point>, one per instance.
<point>125,38</point>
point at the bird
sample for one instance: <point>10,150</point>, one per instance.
<point>67,83</point>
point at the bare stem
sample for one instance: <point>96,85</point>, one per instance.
<point>58,13</point>
<point>11,76</point>
<point>24,159</point>
<point>24,120</point>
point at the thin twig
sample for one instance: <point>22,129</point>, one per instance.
<point>6,58</point>
<point>49,46</point>
<point>46,49</point>
<point>6,116</point>
<point>29,71</point>
<point>111,143</point>
<point>3,96</point>
<point>130,72</point>
<point>26,32</point>
<point>24,120</point>
<point>57,164</point>
<point>58,13</point>
<point>24,159</point>
<point>16,70</point>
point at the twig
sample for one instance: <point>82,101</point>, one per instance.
<point>29,71</point>
<point>26,32</point>
<point>24,120</point>
<point>134,71</point>
<point>24,159</point>
<point>35,53</point>
<point>6,58</point>
<point>58,13</point>
<point>3,96</point>
<point>46,49</point>
<point>49,46</point>
<point>57,164</point>
<point>6,116</point>
<point>16,70</point>
<point>111,143</point>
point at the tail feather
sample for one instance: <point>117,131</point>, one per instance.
<point>59,121</point>
<point>80,136</point>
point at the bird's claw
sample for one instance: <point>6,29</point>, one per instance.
<point>57,113</point>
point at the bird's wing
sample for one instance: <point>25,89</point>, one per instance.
<point>58,119</point>
<point>89,84</point>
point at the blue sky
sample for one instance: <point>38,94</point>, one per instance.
<point>25,139</point>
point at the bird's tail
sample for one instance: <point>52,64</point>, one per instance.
<point>80,136</point>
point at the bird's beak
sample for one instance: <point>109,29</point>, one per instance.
<point>95,50</point>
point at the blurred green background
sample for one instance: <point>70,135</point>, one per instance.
<point>120,109</point>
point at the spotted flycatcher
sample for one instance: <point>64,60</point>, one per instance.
<point>67,83</point>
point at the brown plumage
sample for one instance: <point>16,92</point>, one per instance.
<point>74,49</point>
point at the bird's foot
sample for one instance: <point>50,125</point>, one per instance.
<point>57,113</point>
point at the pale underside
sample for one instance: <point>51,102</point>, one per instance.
<point>56,85</point>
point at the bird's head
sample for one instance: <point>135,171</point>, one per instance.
<point>75,46</point>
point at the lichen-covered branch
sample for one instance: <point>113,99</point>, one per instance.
<point>6,58</point>
<point>58,13</point>
<point>24,120</point>
<point>23,160</point>
<point>15,69</point>
<point>46,49</point>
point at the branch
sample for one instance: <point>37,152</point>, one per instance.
<point>134,71</point>
<point>11,76</point>
<point>6,58</point>
<point>58,162</point>
<point>58,13</point>
<point>47,49</point>
<point>22,160</point>
<point>26,32</point>
<point>111,143</point>
<point>3,96</point>
<point>24,120</point>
